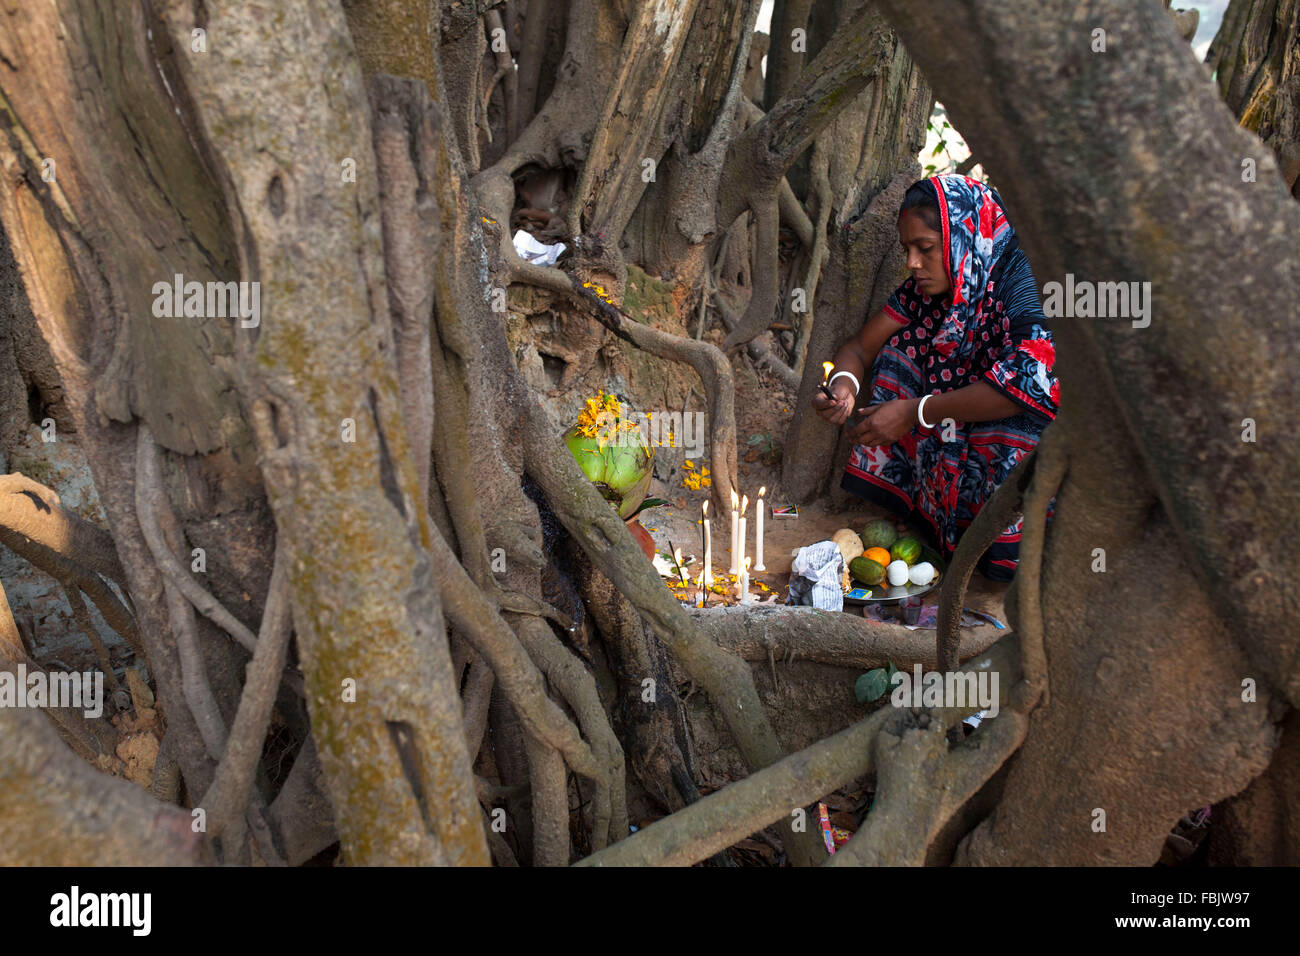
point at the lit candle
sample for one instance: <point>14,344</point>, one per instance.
<point>708,546</point>
<point>699,597</point>
<point>735,517</point>
<point>744,582</point>
<point>740,561</point>
<point>758,533</point>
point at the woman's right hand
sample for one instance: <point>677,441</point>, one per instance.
<point>838,411</point>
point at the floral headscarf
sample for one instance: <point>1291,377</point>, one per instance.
<point>977,237</point>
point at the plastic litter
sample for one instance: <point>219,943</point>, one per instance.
<point>815,576</point>
<point>538,253</point>
<point>833,837</point>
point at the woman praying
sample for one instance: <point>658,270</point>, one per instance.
<point>960,358</point>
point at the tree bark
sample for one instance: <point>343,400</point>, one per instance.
<point>318,374</point>
<point>1166,476</point>
<point>1256,58</point>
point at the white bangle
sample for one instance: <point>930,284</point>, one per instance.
<point>920,409</point>
<point>857,386</point>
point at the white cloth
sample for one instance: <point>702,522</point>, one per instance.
<point>538,253</point>
<point>815,577</point>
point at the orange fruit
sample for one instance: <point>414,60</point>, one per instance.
<point>879,555</point>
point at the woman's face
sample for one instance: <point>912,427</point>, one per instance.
<point>923,247</point>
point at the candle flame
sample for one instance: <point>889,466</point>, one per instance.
<point>826,370</point>
<point>705,508</point>
<point>762,491</point>
<point>735,500</point>
<point>747,560</point>
<point>744,503</point>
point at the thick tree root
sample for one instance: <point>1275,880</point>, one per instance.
<point>921,783</point>
<point>828,637</point>
<point>760,311</point>
<point>369,628</point>
<point>475,619</point>
<point>166,782</point>
<point>155,525</point>
<point>81,614</point>
<point>655,733</point>
<point>71,550</point>
<point>34,511</point>
<point>998,512</point>
<point>1053,461</point>
<point>90,738</point>
<point>171,568</point>
<point>476,698</point>
<point>549,786</point>
<point>758,350</point>
<point>782,790</point>
<point>578,688</point>
<point>228,795</point>
<point>60,811</point>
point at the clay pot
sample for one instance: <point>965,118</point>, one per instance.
<point>642,537</point>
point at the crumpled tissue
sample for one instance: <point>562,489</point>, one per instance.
<point>538,253</point>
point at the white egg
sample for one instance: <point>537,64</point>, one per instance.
<point>922,573</point>
<point>897,572</point>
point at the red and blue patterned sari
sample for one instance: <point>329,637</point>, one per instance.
<point>992,331</point>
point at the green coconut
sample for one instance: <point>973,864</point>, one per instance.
<point>617,460</point>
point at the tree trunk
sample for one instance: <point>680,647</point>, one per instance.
<point>1157,451</point>
<point>1256,59</point>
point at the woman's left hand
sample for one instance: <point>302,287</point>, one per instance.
<point>886,423</point>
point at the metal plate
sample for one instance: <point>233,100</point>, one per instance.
<point>891,594</point>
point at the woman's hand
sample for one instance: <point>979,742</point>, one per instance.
<point>836,412</point>
<point>886,423</point>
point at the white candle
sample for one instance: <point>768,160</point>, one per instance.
<point>758,533</point>
<point>740,561</point>
<point>708,547</point>
<point>735,517</point>
<point>677,560</point>
<point>699,598</point>
<point>744,582</point>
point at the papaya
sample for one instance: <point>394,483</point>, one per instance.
<point>879,533</point>
<point>906,549</point>
<point>867,571</point>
